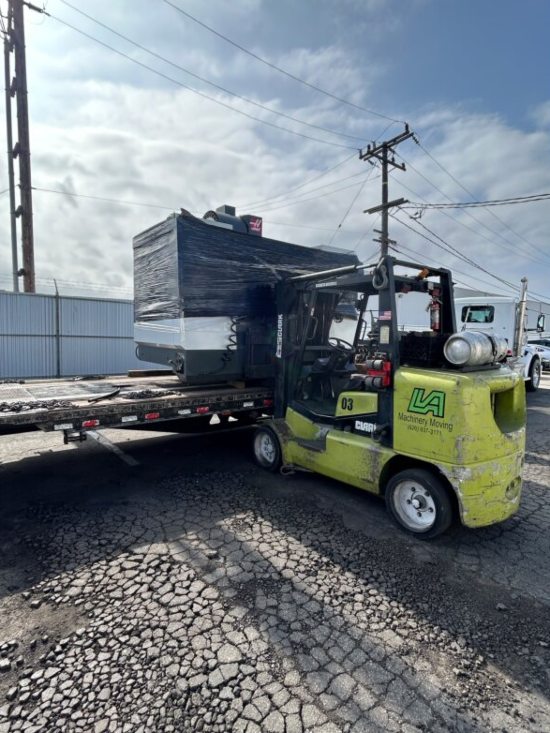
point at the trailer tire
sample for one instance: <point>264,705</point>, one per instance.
<point>533,382</point>
<point>419,502</point>
<point>267,449</point>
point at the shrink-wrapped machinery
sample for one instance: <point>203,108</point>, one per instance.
<point>204,293</point>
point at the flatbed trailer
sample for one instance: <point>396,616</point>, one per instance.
<point>73,407</point>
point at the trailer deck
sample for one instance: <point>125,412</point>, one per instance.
<point>80,405</point>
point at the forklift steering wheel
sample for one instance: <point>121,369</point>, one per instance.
<point>343,347</point>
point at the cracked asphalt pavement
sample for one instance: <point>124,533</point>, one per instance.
<point>195,592</point>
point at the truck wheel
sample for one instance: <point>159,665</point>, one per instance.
<point>267,450</point>
<point>419,502</point>
<point>533,382</point>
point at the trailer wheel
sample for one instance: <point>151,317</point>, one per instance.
<point>533,383</point>
<point>267,450</point>
<point>419,502</point>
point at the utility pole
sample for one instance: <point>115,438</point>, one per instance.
<point>382,153</point>
<point>21,149</point>
<point>9,140</point>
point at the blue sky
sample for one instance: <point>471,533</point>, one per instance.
<point>472,78</point>
<point>489,54</point>
<point>492,55</point>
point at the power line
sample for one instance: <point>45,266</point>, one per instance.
<point>365,235</point>
<point>297,226</point>
<point>102,198</point>
<point>208,81</point>
<point>466,190</point>
<point>229,92</point>
<point>477,233</point>
<point>350,207</point>
<point>470,215</point>
<point>457,254</point>
<point>476,204</point>
<point>514,290</point>
<point>74,283</point>
<point>185,86</point>
<point>124,202</point>
<point>401,248</point>
<point>259,202</point>
<point>453,250</point>
<point>466,259</point>
<point>162,58</point>
<point>196,91</point>
<point>281,199</point>
<point>450,249</point>
<point>313,198</point>
<point>373,254</point>
<point>279,69</point>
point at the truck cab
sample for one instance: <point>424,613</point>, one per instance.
<point>499,316</point>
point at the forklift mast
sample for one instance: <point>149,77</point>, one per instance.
<point>306,306</point>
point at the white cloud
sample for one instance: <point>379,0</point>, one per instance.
<point>492,160</point>
<point>102,127</point>
<point>541,114</point>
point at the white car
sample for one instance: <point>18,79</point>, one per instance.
<point>542,348</point>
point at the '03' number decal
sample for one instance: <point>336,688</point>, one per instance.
<point>347,404</point>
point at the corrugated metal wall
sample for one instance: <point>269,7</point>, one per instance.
<point>48,336</point>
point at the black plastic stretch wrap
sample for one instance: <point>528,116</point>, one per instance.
<point>185,267</point>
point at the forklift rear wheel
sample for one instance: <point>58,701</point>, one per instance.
<point>267,450</point>
<point>419,501</point>
<point>533,382</point>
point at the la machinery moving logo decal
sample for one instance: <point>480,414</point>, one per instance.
<point>421,403</point>
<point>425,412</point>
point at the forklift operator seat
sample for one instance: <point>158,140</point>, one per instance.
<point>328,376</point>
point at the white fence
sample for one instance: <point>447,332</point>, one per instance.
<point>57,336</point>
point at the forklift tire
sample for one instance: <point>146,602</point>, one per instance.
<point>419,502</point>
<point>533,382</point>
<point>267,450</point>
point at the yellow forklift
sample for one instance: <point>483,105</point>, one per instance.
<point>432,420</point>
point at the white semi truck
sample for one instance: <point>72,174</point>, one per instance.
<point>506,316</point>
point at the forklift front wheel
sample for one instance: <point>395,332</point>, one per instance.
<point>267,450</point>
<point>419,501</point>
